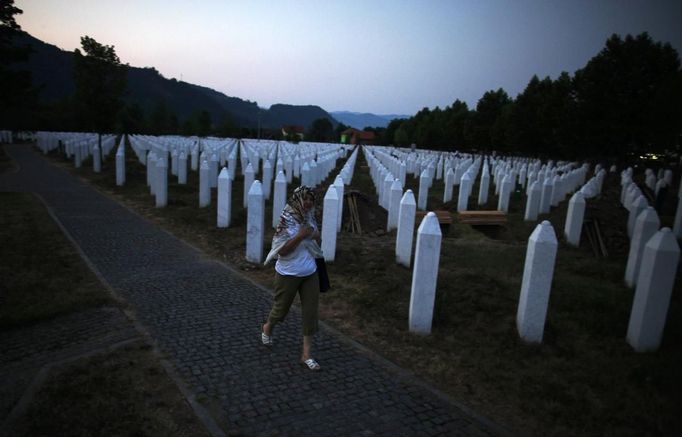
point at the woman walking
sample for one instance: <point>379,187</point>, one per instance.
<point>295,245</point>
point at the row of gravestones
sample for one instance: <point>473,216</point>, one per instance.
<point>310,162</point>
<point>78,146</point>
<point>5,136</point>
<point>331,212</point>
<point>8,136</point>
<point>651,267</point>
<point>553,182</point>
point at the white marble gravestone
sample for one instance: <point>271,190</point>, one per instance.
<point>267,179</point>
<point>405,234</point>
<point>339,185</point>
<point>638,205</point>
<point>182,168</point>
<point>654,289</point>
<point>120,166</point>
<point>423,189</point>
<point>280,198</point>
<point>574,219</point>
<point>96,159</point>
<point>677,223</point>
<point>505,193</point>
<point>484,186</point>
<point>204,185</point>
<point>546,196</point>
<point>329,217</point>
<point>464,191</point>
<point>533,202</point>
<point>255,223</point>
<point>646,226</point>
<point>537,283</point>
<point>425,275</point>
<point>395,194</point>
<point>161,192</point>
<point>224,198</point>
<point>249,177</point>
<point>449,184</point>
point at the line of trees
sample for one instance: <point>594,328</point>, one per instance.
<point>626,101</point>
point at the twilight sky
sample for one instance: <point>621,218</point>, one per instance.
<point>380,56</point>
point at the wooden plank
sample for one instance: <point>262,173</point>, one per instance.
<point>444,217</point>
<point>496,218</point>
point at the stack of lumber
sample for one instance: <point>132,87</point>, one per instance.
<point>353,224</point>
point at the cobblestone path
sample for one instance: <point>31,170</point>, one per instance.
<point>206,319</point>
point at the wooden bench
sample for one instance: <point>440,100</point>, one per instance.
<point>487,218</point>
<point>444,217</point>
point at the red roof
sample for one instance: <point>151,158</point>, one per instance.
<point>359,134</point>
<point>293,129</point>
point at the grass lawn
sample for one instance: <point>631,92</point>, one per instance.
<point>584,379</point>
<point>125,392</point>
<point>42,274</point>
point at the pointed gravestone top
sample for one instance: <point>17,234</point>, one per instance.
<point>256,188</point>
<point>577,198</point>
<point>224,173</point>
<point>429,225</point>
<point>544,233</point>
<point>408,198</point>
<point>280,177</point>
<point>664,241</point>
<point>331,194</point>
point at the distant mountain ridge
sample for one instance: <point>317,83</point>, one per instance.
<point>52,71</point>
<point>360,120</point>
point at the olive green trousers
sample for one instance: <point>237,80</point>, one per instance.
<point>308,288</point>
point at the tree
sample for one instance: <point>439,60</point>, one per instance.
<point>488,109</point>
<point>204,123</point>
<point>132,119</point>
<point>321,130</point>
<point>400,137</point>
<point>16,93</point>
<point>227,127</point>
<point>159,119</point>
<point>100,80</point>
<point>628,97</point>
<point>455,125</point>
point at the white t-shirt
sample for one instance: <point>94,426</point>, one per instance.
<point>297,263</point>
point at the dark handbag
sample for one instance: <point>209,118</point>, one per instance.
<point>322,274</point>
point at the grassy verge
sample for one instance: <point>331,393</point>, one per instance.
<point>582,380</point>
<point>42,274</point>
<point>124,392</point>
<point>6,164</point>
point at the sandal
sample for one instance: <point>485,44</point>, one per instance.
<point>311,364</point>
<point>266,339</point>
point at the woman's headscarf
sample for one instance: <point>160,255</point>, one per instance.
<point>294,213</point>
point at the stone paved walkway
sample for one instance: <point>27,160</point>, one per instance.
<point>206,319</point>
